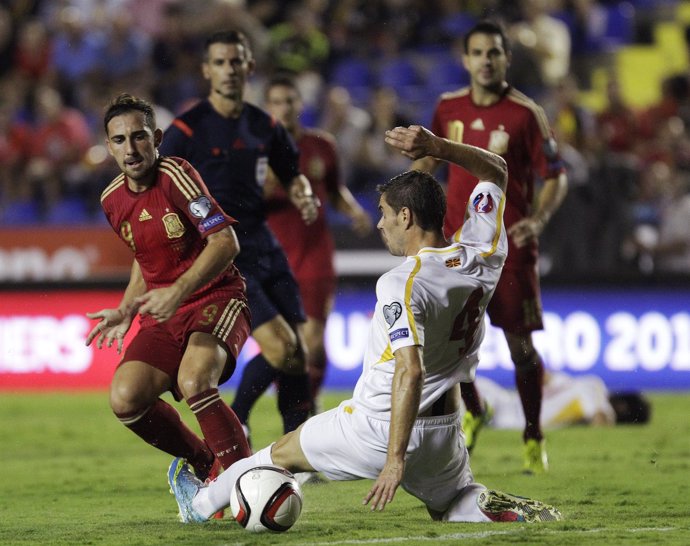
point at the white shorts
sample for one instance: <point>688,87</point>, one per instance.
<point>346,444</point>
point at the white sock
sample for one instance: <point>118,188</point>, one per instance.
<point>464,507</point>
<point>217,495</point>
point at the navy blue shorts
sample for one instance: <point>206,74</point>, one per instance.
<point>271,287</point>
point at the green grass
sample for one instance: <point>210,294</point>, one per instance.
<point>71,474</point>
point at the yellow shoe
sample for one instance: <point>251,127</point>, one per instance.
<point>471,425</point>
<point>536,461</point>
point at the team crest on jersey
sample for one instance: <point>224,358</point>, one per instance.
<point>498,141</point>
<point>392,313</point>
<point>173,226</point>
<point>200,207</point>
<point>483,203</point>
<point>316,168</point>
<point>453,262</point>
<point>477,125</point>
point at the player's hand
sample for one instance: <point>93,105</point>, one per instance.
<point>525,231</point>
<point>414,141</point>
<point>160,303</point>
<point>385,486</point>
<point>111,329</point>
<point>308,206</point>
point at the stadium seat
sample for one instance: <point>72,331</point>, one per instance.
<point>68,211</point>
<point>620,25</point>
<point>355,75</point>
<point>20,213</point>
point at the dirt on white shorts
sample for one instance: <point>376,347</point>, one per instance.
<point>346,444</point>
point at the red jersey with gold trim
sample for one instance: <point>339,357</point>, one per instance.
<point>309,248</point>
<point>167,224</point>
<point>515,128</point>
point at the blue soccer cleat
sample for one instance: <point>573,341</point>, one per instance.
<point>184,485</point>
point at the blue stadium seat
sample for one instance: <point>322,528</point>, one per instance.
<point>620,25</point>
<point>398,73</point>
<point>351,72</point>
<point>20,213</point>
<point>68,211</point>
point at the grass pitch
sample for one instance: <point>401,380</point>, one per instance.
<point>71,474</point>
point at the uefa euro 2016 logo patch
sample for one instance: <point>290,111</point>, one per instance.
<point>483,203</point>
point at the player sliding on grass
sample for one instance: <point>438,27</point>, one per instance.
<point>401,426</point>
<point>191,298</point>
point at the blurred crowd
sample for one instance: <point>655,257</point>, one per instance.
<point>362,66</point>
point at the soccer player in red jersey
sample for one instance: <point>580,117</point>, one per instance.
<point>310,249</point>
<point>493,115</point>
<point>183,284</point>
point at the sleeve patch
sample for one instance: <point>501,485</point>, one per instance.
<point>399,333</point>
<point>483,203</point>
<point>200,207</point>
<point>211,222</point>
<point>392,313</point>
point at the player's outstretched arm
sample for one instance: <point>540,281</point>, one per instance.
<point>115,323</point>
<point>417,142</point>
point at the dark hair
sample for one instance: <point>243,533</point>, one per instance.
<point>235,37</point>
<point>630,407</point>
<point>280,80</point>
<point>124,103</point>
<point>421,193</point>
<point>487,26</point>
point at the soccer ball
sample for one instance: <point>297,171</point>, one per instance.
<point>266,498</point>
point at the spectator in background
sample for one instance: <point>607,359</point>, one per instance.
<point>348,124</point>
<point>660,238</point>
<point>60,137</point>
<point>310,249</point>
<point>376,162</point>
<point>14,147</point>
<point>566,246</point>
<point>33,55</point>
<point>544,37</point>
<point>77,53</point>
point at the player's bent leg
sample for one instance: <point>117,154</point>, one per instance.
<point>202,365</point>
<point>287,452</point>
<point>134,399</point>
<point>282,345</point>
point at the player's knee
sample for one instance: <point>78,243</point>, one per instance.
<point>285,354</point>
<point>127,398</point>
<point>527,359</point>
<point>193,383</point>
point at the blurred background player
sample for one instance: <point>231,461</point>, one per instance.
<point>191,298</point>
<point>493,115</point>
<point>568,400</point>
<point>233,144</point>
<point>310,249</point>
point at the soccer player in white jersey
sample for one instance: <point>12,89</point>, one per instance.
<point>401,426</point>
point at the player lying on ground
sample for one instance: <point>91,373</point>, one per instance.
<point>401,426</point>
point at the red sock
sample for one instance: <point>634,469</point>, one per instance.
<point>162,427</point>
<point>221,427</point>
<point>471,398</point>
<point>529,381</point>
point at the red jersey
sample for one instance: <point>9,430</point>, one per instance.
<point>515,128</point>
<point>309,248</point>
<point>166,225</point>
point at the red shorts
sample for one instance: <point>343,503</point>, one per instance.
<point>162,345</point>
<point>516,304</point>
<point>317,297</point>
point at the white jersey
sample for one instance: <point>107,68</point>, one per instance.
<point>437,300</point>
